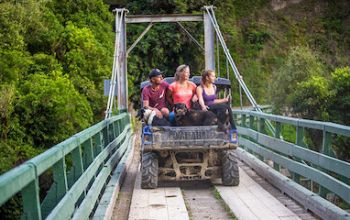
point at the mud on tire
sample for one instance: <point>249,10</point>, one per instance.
<point>230,172</point>
<point>149,170</point>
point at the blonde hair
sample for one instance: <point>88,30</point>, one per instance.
<point>206,73</point>
<point>179,70</point>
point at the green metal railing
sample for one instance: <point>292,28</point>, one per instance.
<point>329,173</point>
<point>80,167</point>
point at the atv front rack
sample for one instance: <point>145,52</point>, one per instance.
<point>189,137</point>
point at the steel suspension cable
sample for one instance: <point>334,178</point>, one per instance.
<point>233,65</point>
<point>115,68</point>
<point>227,70</point>
<point>212,18</point>
<point>190,36</point>
<point>218,55</point>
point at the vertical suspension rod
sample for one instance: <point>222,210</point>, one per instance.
<point>115,69</point>
<point>211,15</point>
<point>210,12</point>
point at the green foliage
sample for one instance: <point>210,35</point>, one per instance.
<point>324,99</point>
<point>86,63</point>
<point>54,56</point>
<point>311,98</point>
<point>246,8</point>
<point>44,64</point>
<point>255,37</point>
<point>338,108</point>
<point>288,133</point>
<point>12,209</point>
<point>340,96</point>
<point>13,65</point>
<point>6,108</point>
<point>301,65</point>
<point>50,109</point>
<point>11,17</point>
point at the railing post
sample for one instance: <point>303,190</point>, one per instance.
<point>278,136</point>
<point>119,128</point>
<point>326,144</point>
<point>261,129</point>
<point>326,149</point>
<point>251,126</point>
<point>243,120</point>
<point>88,153</point>
<point>78,168</point>
<point>77,163</point>
<point>300,142</point>
<point>251,122</point>
<point>110,131</point>
<point>98,138</point>
<point>114,130</point>
<point>58,188</point>
<point>31,201</point>
<point>105,136</point>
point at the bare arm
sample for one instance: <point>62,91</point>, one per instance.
<point>146,105</point>
<point>199,92</point>
<point>145,101</point>
<point>169,98</point>
<point>217,101</point>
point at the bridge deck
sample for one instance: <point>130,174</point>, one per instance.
<point>247,201</point>
<point>161,203</point>
<point>250,201</point>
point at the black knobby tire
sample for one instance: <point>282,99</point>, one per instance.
<point>149,170</point>
<point>230,171</point>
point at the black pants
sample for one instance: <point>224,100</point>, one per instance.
<point>220,109</point>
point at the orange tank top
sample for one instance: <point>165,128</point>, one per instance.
<point>182,94</point>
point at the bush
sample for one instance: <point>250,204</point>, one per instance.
<point>300,66</point>
<point>51,110</point>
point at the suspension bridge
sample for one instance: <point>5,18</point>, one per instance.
<point>87,170</point>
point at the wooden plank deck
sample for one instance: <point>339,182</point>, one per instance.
<point>247,201</point>
<point>250,201</point>
<point>163,203</point>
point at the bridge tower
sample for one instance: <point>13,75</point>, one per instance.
<point>119,77</point>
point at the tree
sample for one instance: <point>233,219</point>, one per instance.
<point>325,99</point>
<point>51,110</point>
<point>301,65</point>
<point>340,96</point>
<point>310,99</point>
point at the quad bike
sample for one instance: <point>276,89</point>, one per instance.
<point>188,152</point>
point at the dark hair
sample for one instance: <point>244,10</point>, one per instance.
<point>154,72</point>
<point>206,73</point>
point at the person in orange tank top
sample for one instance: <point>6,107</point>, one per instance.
<point>182,90</point>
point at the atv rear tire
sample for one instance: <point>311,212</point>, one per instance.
<point>230,171</point>
<point>149,170</point>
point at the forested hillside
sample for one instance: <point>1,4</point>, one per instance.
<point>54,55</point>
<point>53,58</point>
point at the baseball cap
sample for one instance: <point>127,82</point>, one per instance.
<point>154,72</point>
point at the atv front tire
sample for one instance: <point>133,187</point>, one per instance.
<point>149,170</point>
<point>230,171</point>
